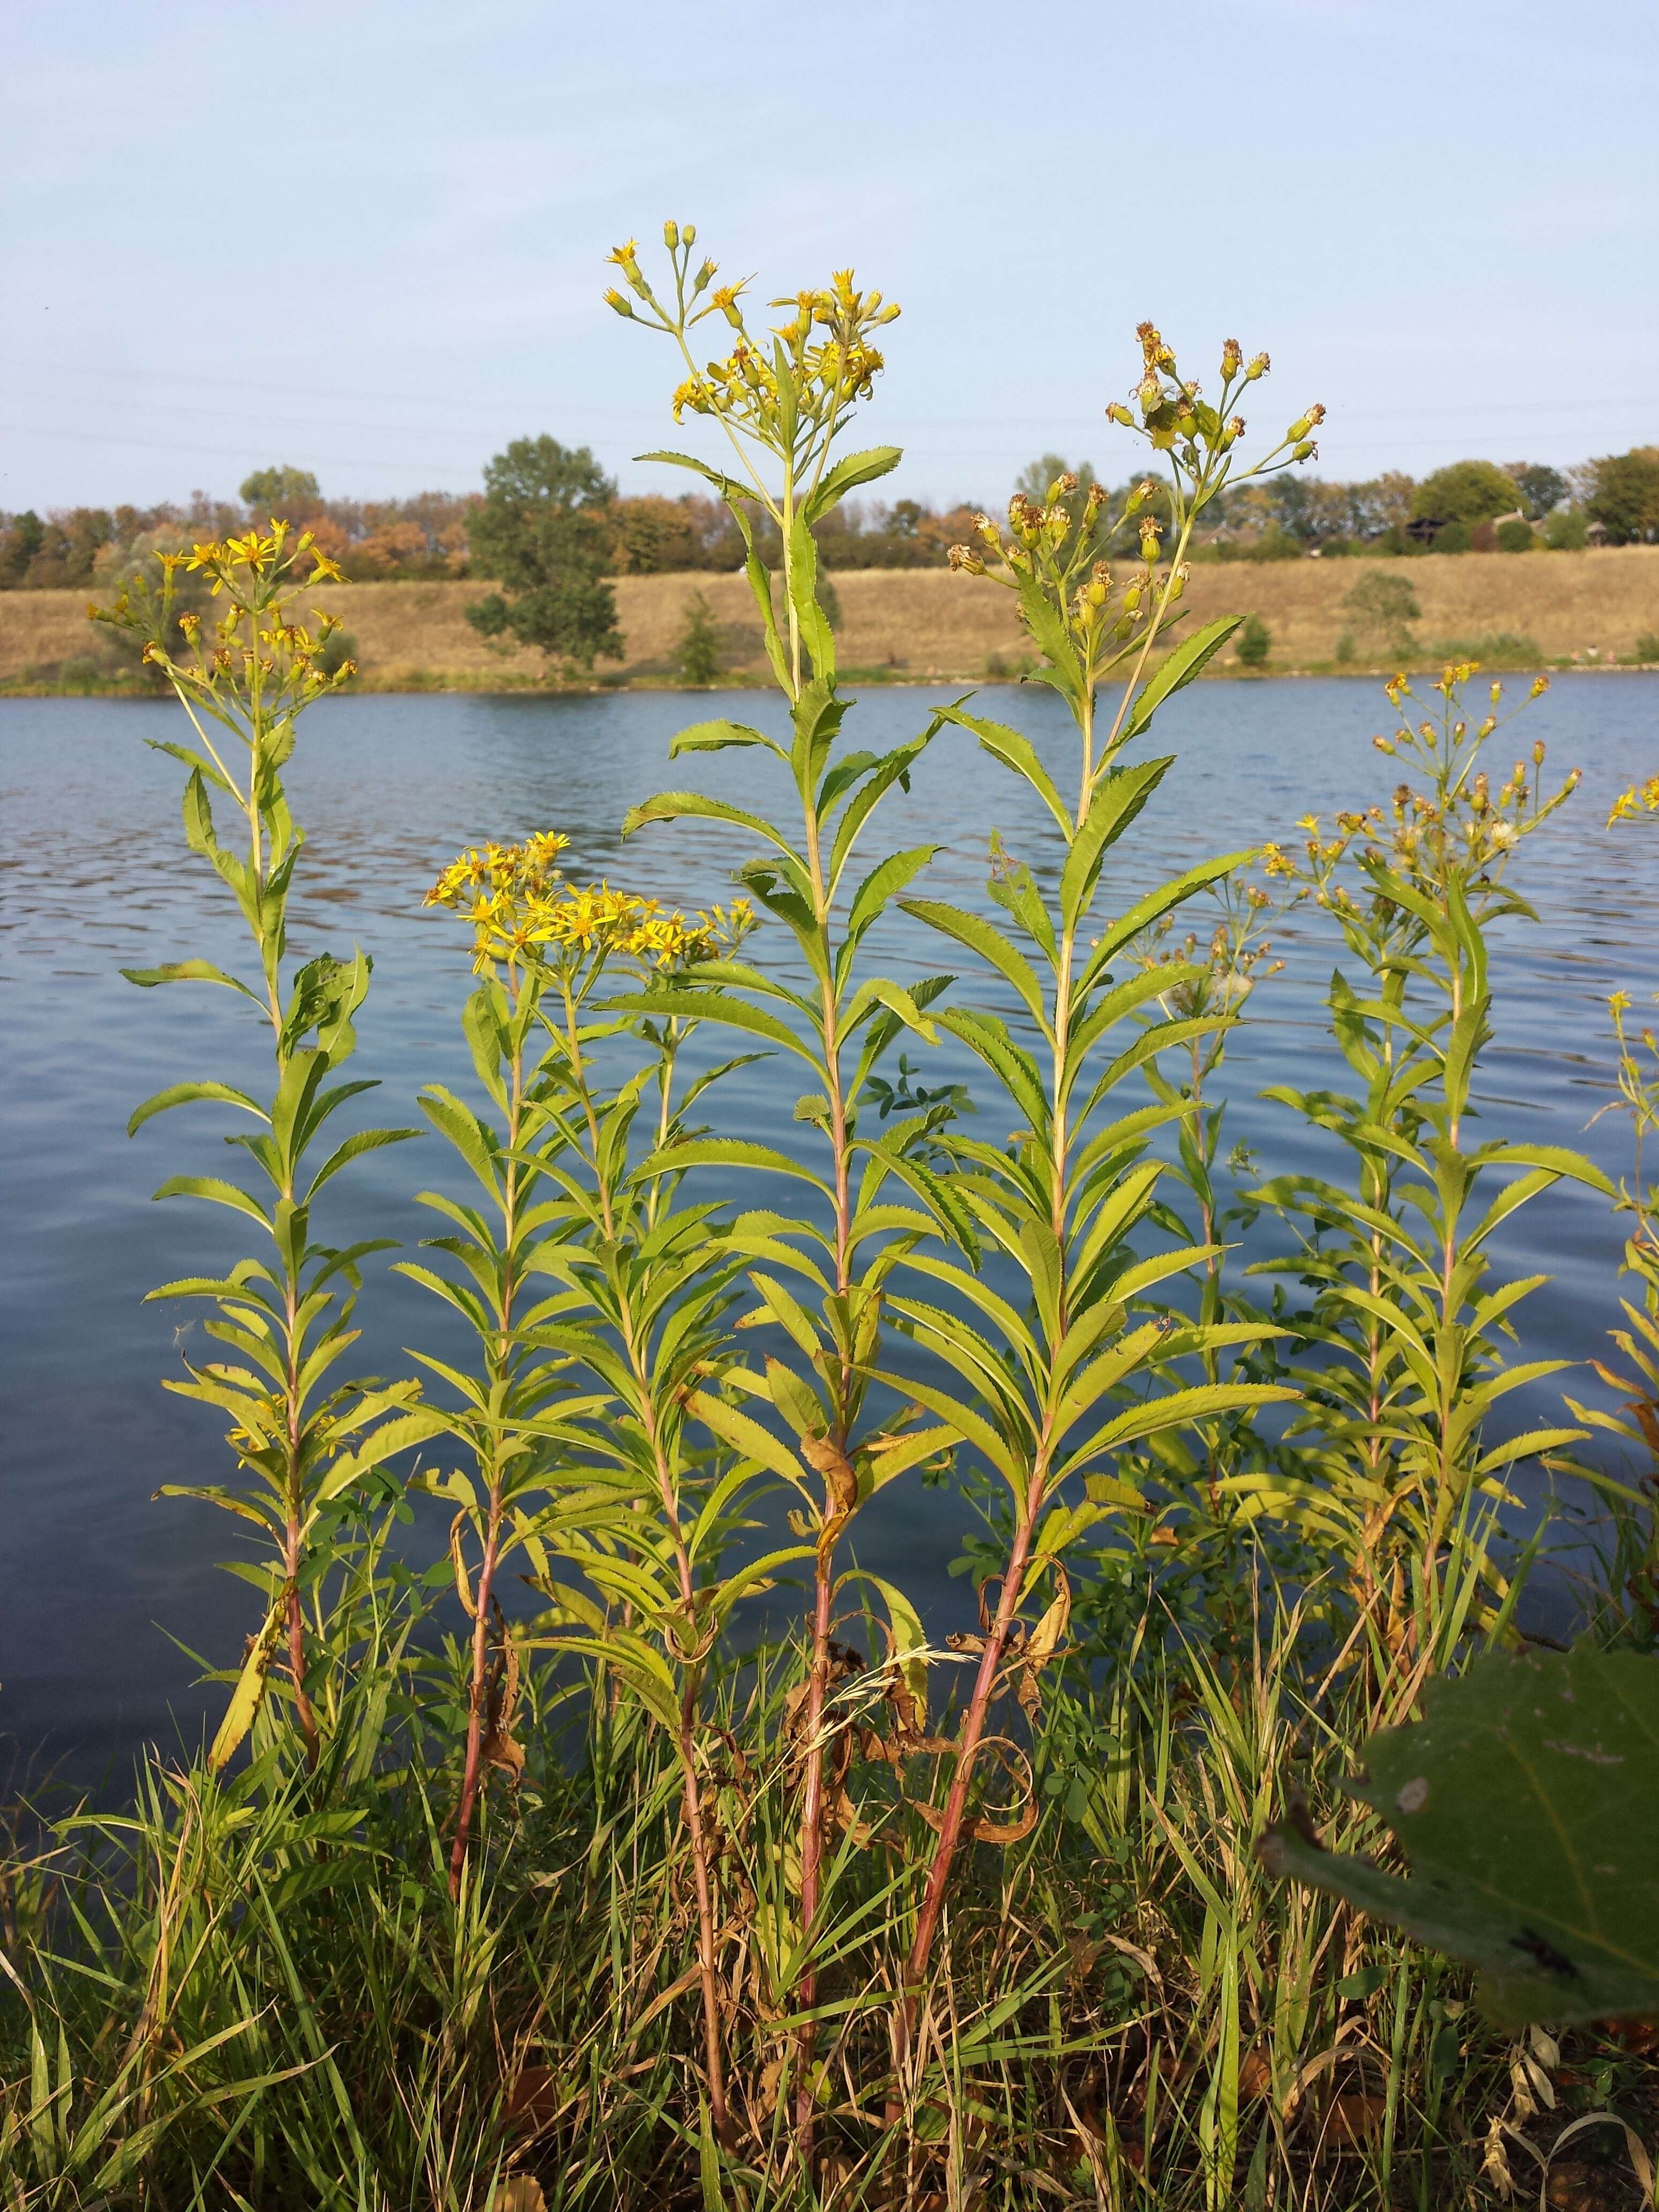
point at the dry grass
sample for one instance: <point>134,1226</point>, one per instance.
<point>923,623</point>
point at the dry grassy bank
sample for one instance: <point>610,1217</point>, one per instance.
<point>918,623</point>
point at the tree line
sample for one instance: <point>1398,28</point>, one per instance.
<point>552,531</point>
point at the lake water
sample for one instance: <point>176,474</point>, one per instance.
<point>94,1578</point>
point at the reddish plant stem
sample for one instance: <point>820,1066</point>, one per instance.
<point>824,1581</point>
<point>696,1830</point>
<point>476,1697</point>
<point>968,1743</point>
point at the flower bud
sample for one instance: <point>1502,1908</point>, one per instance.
<point>1259,367</point>
<point>1382,746</point>
<point>671,234</point>
<point>614,298</point>
<point>1232,355</point>
<point>1150,394</point>
<point>1094,593</point>
<point>1540,686</point>
<point>1305,451</point>
<point>1538,752</point>
<point>1117,412</point>
<point>689,235</point>
<point>1497,693</point>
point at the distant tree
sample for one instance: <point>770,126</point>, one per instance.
<point>1624,498</point>
<point>1035,478</point>
<point>20,541</point>
<point>281,491</point>
<point>544,532</point>
<point>700,642</point>
<point>904,517</point>
<point>1254,643</point>
<point>654,537</point>
<point>1383,607</point>
<point>1515,537</point>
<point>1540,486</point>
<point>1467,491</point>
<point>1566,530</point>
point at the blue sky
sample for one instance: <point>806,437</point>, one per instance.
<point>368,240</point>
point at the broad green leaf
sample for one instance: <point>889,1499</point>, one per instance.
<point>215,1189</point>
<point>1016,751</point>
<point>1527,1803</point>
<point>993,947</point>
<point>813,624</point>
<point>188,1094</point>
<point>727,487</point>
<point>746,1435</point>
<point>188,971</point>
<point>675,806</point>
<point>731,1153</point>
<point>1177,669</point>
<point>715,737</point>
<point>847,473</point>
<point>1118,798</point>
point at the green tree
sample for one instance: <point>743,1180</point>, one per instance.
<point>20,541</point>
<point>281,490</point>
<point>1515,537</point>
<point>1626,500</point>
<point>545,532</point>
<point>1254,643</point>
<point>1467,491</point>
<point>700,642</point>
<point>1540,486</point>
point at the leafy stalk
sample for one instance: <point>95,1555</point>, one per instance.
<point>782,410</point>
<point>1064,1201</point>
<point>1402,1398</point>
<point>308,1452</point>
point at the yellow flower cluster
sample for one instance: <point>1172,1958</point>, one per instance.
<point>253,637</point>
<point>842,367</point>
<point>1465,815</point>
<point>825,344</point>
<point>523,909</point>
<point>1638,800</point>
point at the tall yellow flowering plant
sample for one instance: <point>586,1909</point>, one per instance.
<point>783,402</point>
<point>1404,1395</point>
<point>307,1445</point>
<point>598,1302</point>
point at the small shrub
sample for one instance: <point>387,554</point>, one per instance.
<point>1254,643</point>
<point>995,665</point>
<point>1567,530</point>
<point>1647,647</point>
<point>700,642</point>
<point>1453,537</point>
<point>83,672</point>
<point>1345,648</point>
<point>1383,607</point>
<point>337,656</point>
<point>1516,536</point>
